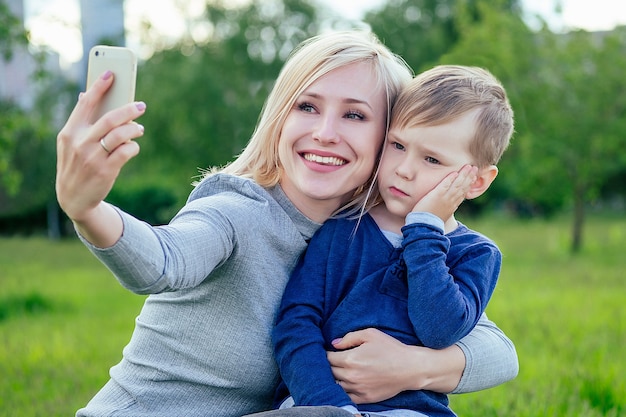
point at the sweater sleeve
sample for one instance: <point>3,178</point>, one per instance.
<point>152,259</point>
<point>449,287</point>
<point>298,339</point>
<point>490,358</point>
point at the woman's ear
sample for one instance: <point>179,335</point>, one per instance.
<point>484,178</point>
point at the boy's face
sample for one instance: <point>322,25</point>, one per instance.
<point>416,159</point>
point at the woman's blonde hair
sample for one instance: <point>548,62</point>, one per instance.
<point>309,61</point>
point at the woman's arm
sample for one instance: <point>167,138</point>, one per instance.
<point>490,358</point>
<point>373,366</point>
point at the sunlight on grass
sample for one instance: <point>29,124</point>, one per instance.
<point>55,359</point>
<point>565,314</point>
<point>64,321</point>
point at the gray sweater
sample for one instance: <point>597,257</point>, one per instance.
<point>201,344</point>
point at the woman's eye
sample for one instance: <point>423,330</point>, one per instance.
<point>306,107</point>
<point>432,160</point>
<point>355,115</point>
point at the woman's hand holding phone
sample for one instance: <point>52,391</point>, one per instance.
<point>87,168</point>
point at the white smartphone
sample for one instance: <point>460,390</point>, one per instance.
<point>123,63</point>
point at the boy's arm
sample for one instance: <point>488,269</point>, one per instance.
<point>448,291</point>
<point>299,345</point>
<point>449,287</point>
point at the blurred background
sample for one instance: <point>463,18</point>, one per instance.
<point>556,210</point>
<point>206,67</point>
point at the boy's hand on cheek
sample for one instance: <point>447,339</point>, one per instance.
<point>447,196</point>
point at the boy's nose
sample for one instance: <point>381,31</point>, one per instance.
<point>406,171</point>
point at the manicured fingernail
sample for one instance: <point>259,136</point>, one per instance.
<point>335,341</point>
<point>107,75</point>
<point>140,128</point>
<point>80,95</point>
<point>141,106</point>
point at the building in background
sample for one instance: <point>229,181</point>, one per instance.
<point>102,22</point>
<point>16,72</point>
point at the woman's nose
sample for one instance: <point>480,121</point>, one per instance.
<point>326,130</point>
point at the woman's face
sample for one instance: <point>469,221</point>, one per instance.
<point>330,139</point>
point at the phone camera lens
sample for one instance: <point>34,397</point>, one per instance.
<point>97,53</point>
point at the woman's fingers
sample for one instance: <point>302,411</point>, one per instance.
<point>119,136</point>
<point>88,101</point>
<point>114,125</point>
<point>116,141</point>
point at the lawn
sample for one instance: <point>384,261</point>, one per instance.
<point>64,321</point>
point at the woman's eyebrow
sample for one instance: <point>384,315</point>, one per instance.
<point>349,100</point>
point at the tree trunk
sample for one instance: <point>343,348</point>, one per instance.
<point>54,220</point>
<point>579,219</point>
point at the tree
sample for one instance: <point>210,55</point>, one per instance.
<point>579,110</point>
<point>12,37</point>
<point>568,96</point>
<point>510,59</point>
<point>421,31</point>
<point>204,97</point>
<point>12,34</point>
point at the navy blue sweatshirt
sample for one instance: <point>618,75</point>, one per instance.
<point>430,292</point>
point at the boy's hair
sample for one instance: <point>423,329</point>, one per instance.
<point>309,61</point>
<point>446,92</point>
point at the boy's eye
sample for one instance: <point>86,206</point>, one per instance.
<point>397,146</point>
<point>432,160</point>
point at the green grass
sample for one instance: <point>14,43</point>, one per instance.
<point>64,321</point>
<point>567,317</point>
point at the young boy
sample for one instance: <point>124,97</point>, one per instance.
<point>407,266</point>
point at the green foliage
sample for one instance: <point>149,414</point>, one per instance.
<point>22,137</point>
<point>569,129</point>
<point>27,148</point>
<point>12,34</point>
<point>152,203</point>
<point>12,120</point>
<point>565,315</point>
<point>421,31</point>
<point>204,98</point>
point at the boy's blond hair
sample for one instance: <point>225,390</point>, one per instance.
<point>446,92</point>
<point>311,60</point>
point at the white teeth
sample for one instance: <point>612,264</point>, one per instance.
<point>325,160</point>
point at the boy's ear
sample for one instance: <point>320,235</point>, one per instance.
<point>484,179</point>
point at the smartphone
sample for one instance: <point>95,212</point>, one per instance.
<point>123,63</point>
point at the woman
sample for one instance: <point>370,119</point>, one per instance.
<point>216,273</point>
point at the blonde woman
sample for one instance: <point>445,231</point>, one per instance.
<point>216,273</point>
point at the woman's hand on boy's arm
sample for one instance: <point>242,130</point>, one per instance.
<point>372,366</point>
